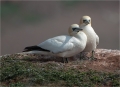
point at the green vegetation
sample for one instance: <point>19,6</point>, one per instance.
<point>22,73</point>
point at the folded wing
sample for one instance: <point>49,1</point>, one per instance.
<point>97,39</point>
<point>58,44</point>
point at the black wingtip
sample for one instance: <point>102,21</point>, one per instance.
<point>34,48</point>
<point>25,50</point>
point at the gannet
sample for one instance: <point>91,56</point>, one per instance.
<point>92,37</point>
<point>62,46</point>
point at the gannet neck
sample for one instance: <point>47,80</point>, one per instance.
<point>72,33</point>
<point>83,25</point>
<point>81,36</point>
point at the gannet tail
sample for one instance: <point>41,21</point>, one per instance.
<point>34,48</point>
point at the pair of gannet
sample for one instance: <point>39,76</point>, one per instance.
<point>80,38</point>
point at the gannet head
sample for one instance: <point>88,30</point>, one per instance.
<point>85,20</point>
<point>74,29</point>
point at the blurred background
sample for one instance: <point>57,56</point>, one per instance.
<point>26,23</point>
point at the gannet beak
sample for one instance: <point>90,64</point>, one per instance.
<point>77,29</point>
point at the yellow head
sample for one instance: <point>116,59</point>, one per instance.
<point>85,20</point>
<point>74,29</point>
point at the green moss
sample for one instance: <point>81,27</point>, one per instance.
<point>18,84</point>
<point>20,73</point>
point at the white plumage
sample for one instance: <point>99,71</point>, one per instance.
<point>64,45</point>
<point>92,37</point>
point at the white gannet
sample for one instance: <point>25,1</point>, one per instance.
<point>62,46</point>
<point>92,37</point>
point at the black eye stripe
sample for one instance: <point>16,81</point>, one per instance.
<point>74,28</point>
<point>84,20</point>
